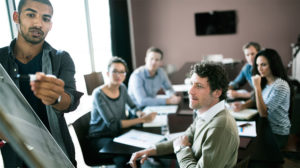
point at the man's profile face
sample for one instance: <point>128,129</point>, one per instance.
<point>250,54</point>
<point>200,95</point>
<point>153,61</point>
<point>34,21</point>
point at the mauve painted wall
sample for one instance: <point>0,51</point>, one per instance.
<point>169,25</point>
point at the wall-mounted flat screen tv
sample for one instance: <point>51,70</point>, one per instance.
<point>215,22</point>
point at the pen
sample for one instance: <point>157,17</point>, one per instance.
<point>244,125</point>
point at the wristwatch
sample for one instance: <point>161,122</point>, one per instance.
<point>179,148</point>
<point>56,101</point>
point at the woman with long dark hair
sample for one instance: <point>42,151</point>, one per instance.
<point>272,93</point>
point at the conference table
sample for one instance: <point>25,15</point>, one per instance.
<point>260,151</point>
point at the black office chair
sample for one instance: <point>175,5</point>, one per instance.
<point>292,149</point>
<point>90,156</point>
<point>184,120</point>
<point>243,163</point>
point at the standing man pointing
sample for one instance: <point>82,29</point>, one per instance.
<point>30,54</point>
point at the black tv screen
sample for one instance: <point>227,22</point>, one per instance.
<point>216,22</point>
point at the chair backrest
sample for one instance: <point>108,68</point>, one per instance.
<point>90,156</point>
<point>81,126</point>
<point>93,80</point>
<point>184,120</point>
<point>294,111</point>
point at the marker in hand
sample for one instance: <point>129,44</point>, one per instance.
<point>30,77</point>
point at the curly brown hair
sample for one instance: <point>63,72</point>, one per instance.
<point>216,75</point>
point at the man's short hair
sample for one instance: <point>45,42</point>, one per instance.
<point>117,60</point>
<point>155,49</point>
<point>216,75</point>
<point>253,44</point>
<point>23,2</point>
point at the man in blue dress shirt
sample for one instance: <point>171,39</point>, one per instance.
<point>250,50</point>
<point>147,80</point>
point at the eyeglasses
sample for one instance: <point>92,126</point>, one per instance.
<point>118,72</point>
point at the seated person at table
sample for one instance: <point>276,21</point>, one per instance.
<point>250,50</point>
<point>212,140</point>
<point>108,116</point>
<point>272,93</point>
<point>146,81</point>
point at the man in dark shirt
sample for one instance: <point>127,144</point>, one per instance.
<point>50,97</point>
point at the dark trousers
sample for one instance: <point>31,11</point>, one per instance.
<point>281,140</point>
<point>119,161</point>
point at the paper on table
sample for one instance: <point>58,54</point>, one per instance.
<point>162,112</point>
<point>139,138</point>
<point>160,120</point>
<point>249,130</point>
<point>174,135</point>
<point>167,109</point>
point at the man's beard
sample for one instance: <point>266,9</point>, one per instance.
<point>30,39</point>
<point>194,106</point>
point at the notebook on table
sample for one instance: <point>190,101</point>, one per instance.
<point>245,114</point>
<point>138,138</point>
